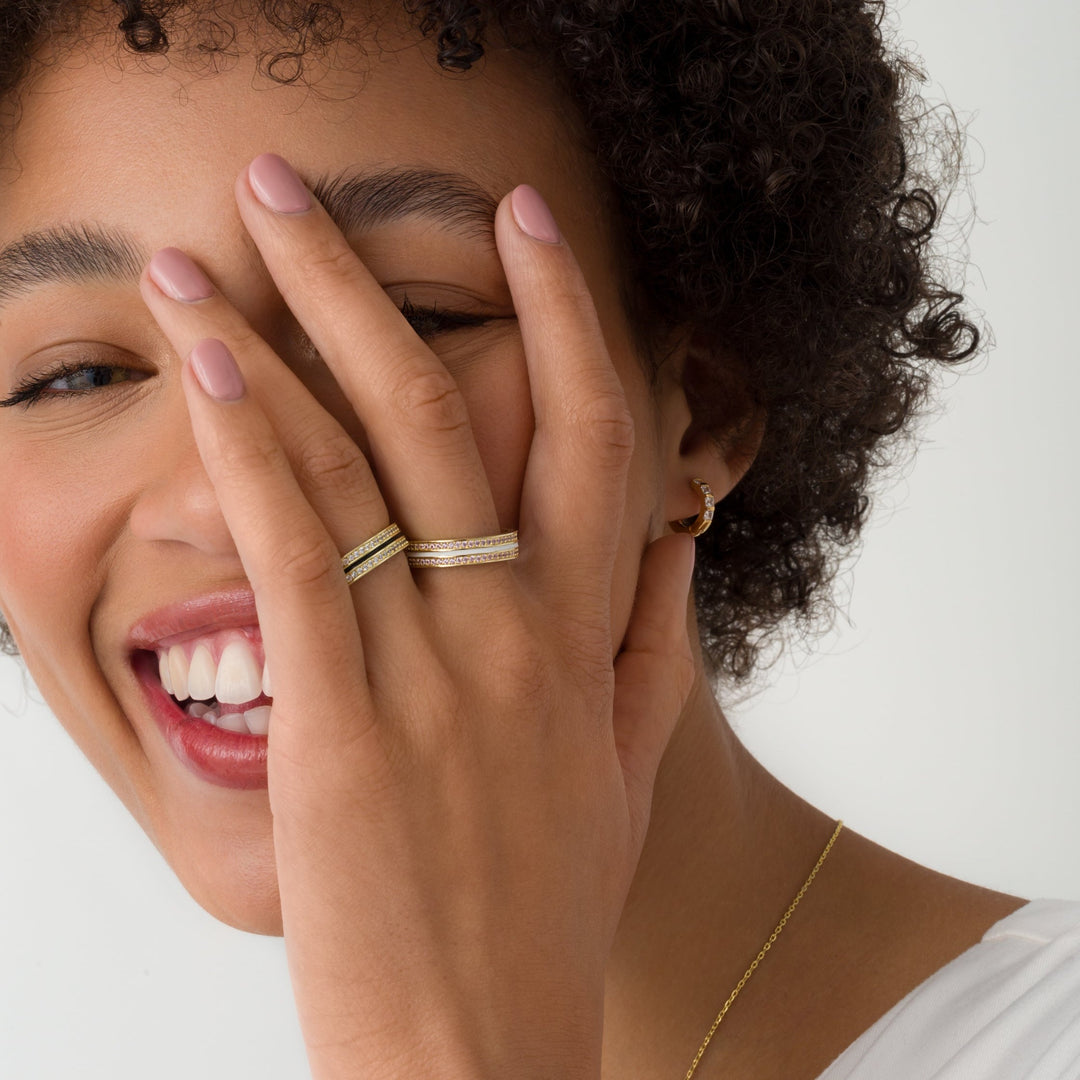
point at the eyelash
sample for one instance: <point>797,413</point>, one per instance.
<point>426,321</point>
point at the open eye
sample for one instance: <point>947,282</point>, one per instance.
<point>69,379</point>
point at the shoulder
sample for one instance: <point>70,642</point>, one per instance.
<point>1007,1008</point>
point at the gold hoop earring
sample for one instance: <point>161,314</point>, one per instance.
<point>695,526</point>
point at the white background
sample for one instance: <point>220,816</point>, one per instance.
<point>940,719</point>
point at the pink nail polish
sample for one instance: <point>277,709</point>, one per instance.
<point>532,214</point>
<point>216,370</point>
<point>277,186</point>
<point>177,276</point>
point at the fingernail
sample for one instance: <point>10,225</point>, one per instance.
<point>277,186</point>
<point>216,370</point>
<point>177,276</point>
<point>532,214</point>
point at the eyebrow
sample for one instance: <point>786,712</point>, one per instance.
<point>356,201</point>
<point>70,254</point>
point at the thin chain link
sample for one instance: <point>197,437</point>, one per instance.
<point>764,949</point>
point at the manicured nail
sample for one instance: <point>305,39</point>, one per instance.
<point>532,214</point>
<point>177,276</point>
<point>277,186</point>
<point>216,370</point>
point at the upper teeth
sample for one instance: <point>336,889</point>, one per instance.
<point>188,670</point>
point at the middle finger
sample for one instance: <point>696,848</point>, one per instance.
<point>417,424</point>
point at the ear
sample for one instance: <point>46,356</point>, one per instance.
<point>710,425</point>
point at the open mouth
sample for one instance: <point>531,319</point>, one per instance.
<point>218,678</point>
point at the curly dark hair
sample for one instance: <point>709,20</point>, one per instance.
<point>763,157</point>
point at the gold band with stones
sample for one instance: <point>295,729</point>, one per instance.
<point>374,552</point>
<point>697,525</point>
<point>468,551</point>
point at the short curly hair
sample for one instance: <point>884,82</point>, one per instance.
<point>762,154</point>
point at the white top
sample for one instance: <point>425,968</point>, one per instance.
<point>1007,1009</point>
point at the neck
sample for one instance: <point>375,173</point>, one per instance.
<point>727,849</point>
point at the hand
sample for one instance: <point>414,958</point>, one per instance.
<point>459,773</point>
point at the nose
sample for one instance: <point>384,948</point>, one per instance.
<point>177,501</point>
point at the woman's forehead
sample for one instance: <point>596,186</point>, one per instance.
<point>113,140</point>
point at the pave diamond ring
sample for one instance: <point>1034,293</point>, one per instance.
<point>374,552</point>
<point>468,551</point>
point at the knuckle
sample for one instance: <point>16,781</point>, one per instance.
<point>250,457</point>
<point>440,722</point>
<point>330,460</point>
<point>530,680</point>
<point>328,259</point>
<point>432,401</point>
<point>606,425</point>
<point>305,562</point>
<point>243,339</point>
<point>526,673</point>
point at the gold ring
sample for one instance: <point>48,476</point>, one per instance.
<point>467,551</point>
<point>374,552</point>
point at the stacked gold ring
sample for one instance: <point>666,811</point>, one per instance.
<point>466,551</point>
<point>374,552</point>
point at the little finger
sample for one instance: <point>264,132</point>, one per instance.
<point>306,614</point>
<point>575,480</point>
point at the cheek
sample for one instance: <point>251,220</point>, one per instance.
<point>64,496</point>
<point>66,503</point>
<point>57,528</point>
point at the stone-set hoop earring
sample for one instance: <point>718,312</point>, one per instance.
<point>695,526</point>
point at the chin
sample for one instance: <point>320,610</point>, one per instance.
<point>233,880</point>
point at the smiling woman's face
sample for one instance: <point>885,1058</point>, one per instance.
<point>108,512</point>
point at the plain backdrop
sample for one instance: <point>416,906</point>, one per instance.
<point>939,718</point>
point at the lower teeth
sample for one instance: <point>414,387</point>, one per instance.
<point>253,722</point>
<point>231,722</point>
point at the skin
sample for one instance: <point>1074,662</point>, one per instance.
<point>647,948</point>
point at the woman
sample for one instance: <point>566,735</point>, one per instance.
<point>450,821</point>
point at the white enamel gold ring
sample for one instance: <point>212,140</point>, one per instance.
<point>467,551</point>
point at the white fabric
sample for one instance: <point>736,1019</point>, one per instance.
<point>1007,1009</point>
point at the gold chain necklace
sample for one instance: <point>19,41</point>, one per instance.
<point>764,949</point>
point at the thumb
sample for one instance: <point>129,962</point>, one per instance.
<point>654,671</point>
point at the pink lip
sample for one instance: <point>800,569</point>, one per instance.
<point>226,758</point>
<point>185,618</point>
